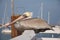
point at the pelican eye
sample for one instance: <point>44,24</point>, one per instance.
<point>25,16</point>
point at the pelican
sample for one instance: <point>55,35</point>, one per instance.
<point>26,22</point>
<point>30,23</point>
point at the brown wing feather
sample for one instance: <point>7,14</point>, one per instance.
<point>34,23</point>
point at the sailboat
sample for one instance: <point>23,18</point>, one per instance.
<point>5,30</point>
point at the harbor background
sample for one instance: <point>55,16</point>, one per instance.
<point>21,6</point>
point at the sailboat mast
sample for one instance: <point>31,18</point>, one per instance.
<point>5,11</point>
<point>48,17</point>
<point>12,6</point>
<point>41,10</point>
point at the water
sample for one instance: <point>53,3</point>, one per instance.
<point>48,35</point>
<point>4,36</point>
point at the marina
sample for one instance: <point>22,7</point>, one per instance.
<point>30,20</point>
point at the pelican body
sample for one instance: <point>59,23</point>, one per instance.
<point>32,24</point>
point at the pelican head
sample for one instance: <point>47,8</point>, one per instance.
<point>28,14</point>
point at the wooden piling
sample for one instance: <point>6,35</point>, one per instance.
<point>14,32</point>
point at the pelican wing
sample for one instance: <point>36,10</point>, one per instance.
<point>33,23</point>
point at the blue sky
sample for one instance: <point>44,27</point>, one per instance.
<point>21,6</point>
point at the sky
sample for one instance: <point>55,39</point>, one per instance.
<point>34,6</point>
